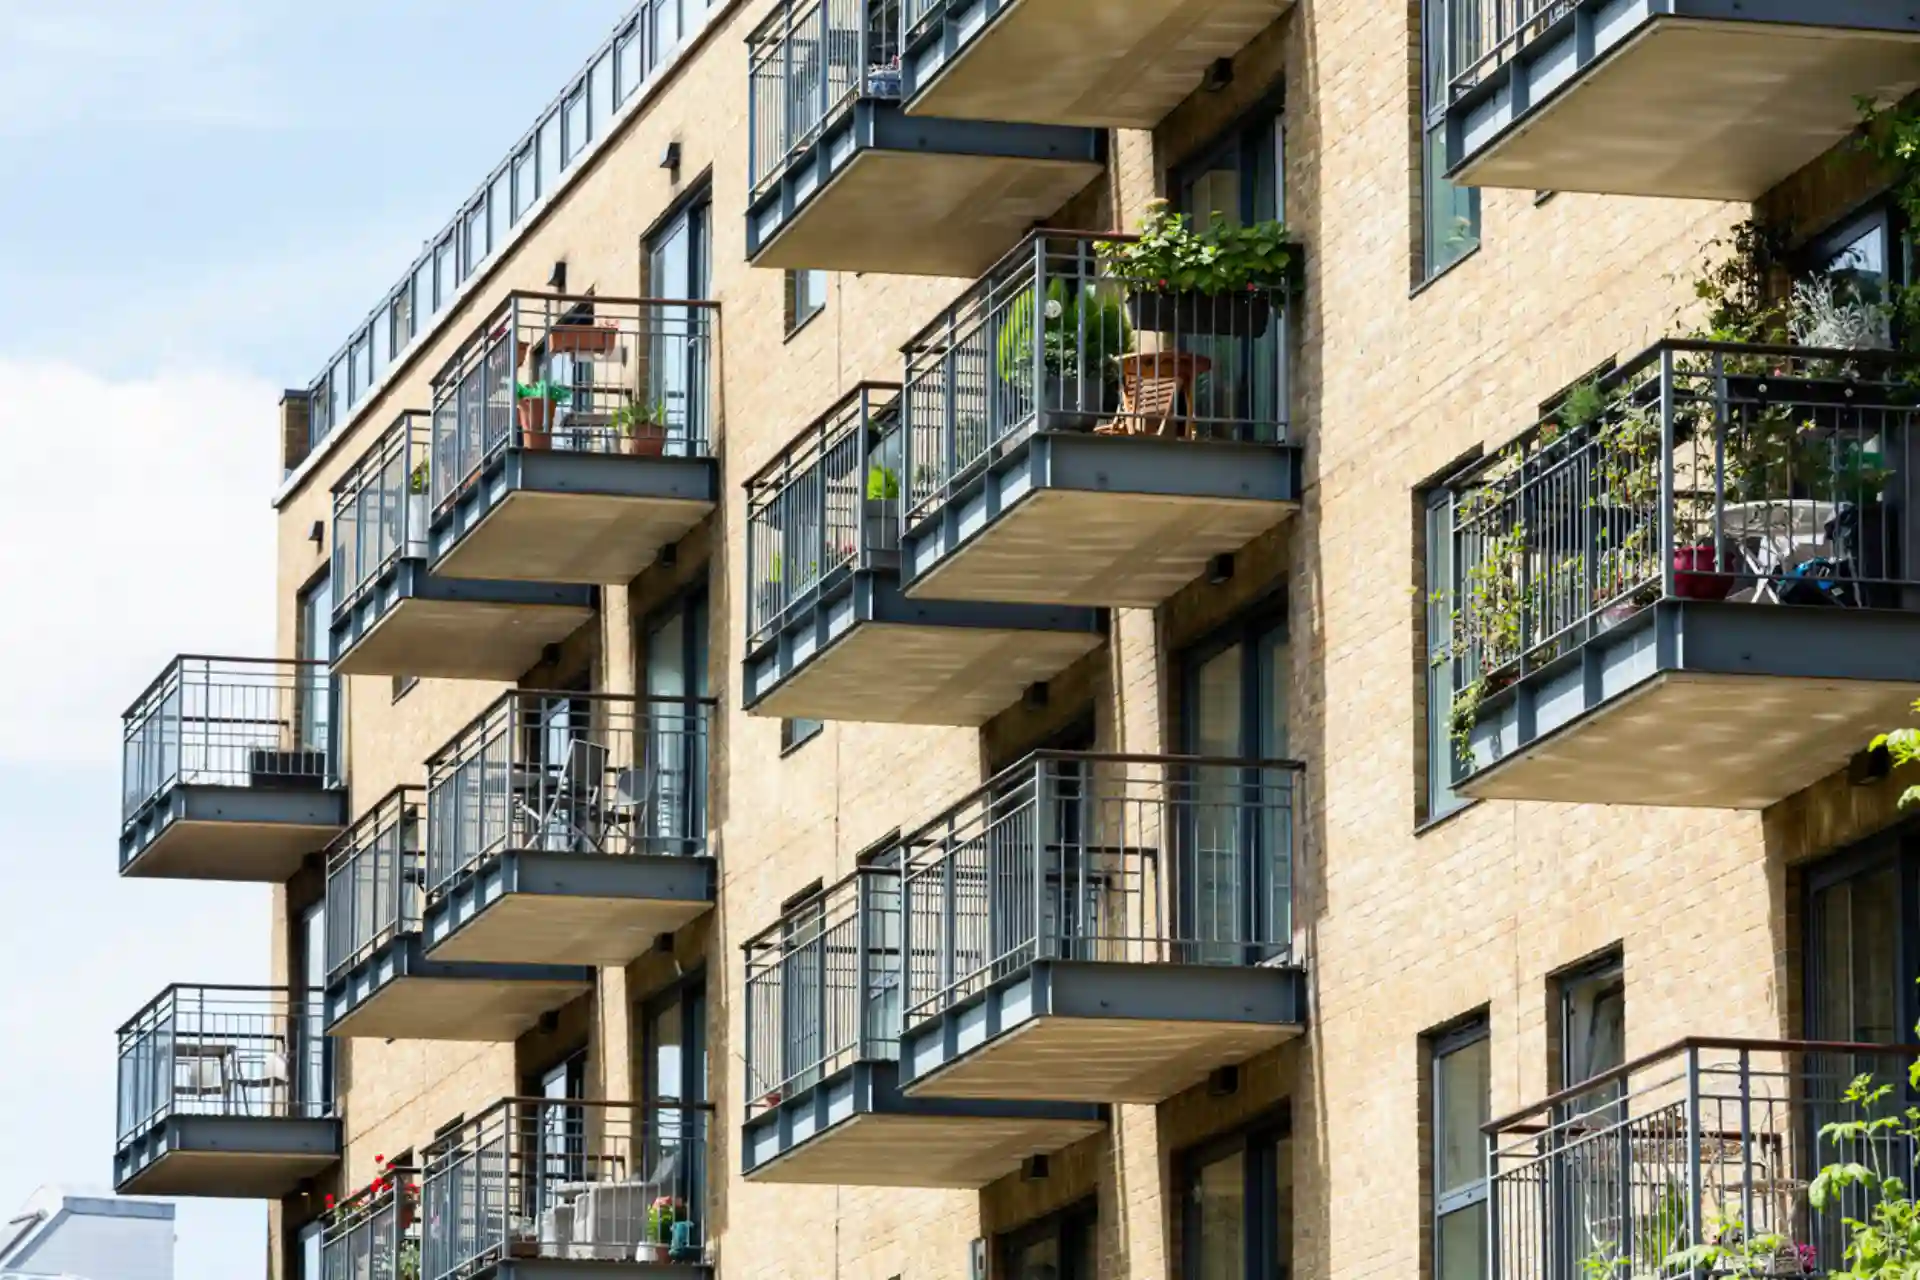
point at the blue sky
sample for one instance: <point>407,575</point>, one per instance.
<point>198,199</point>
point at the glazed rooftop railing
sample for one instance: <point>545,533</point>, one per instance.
<point>222,1051</point>
<point>823,987</point>
<point>375,1235</point>
<point>642,49</point>
<point>1482,36</point>
<point>576,374</point>
<point>808,62</point>
<point>567,1180</point>
<point>228,722</point>
<point>1709,1144</point>
<point>557,772</point>
<point>1765,475</point>
<point>1106,858</point>
<point>828,503</point>
<point>1051,340</point>
<point>376,881</point>
<point>380,509</point>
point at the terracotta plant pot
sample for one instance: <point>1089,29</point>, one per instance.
<point>647,440</point>
<point>582,339</point>
<point>536,422</point>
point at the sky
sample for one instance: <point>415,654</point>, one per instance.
<point>198,200</point>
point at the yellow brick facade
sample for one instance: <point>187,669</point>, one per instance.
<point>1405,928</point>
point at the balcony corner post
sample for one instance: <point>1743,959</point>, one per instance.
<point>1667,548</point>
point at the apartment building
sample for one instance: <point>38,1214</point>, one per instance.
<point>822,728</point>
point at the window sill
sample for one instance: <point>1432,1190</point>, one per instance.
<point>1444,272</point>
<point>1426,825</point>
<point>801,328</point>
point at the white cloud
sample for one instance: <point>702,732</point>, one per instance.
<point>133,524</point>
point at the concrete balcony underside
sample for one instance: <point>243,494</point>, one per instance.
<point>863,651</point>
<point>1712,99</point>
<point>1103,63</point>
<point>585,1269</point>
<point>261,834</point>
<point>234,1157</point>
<point>1099,520</point>
<point>566,909</point>
<point>396,993</point>
<point>570,517</point>
<point>1076,1031</point>
<point>415,623</point>
<point>878,191</point>
<point>857,1129</point>
<point>1726,706</point>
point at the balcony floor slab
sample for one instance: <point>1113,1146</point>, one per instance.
<point>248,834</point>
<point>420,624</point>
<point>1119,64</point>
<point>228,1157</point>
<point>567,909</point>
<point>1707,107</point>
<point>398,994</point>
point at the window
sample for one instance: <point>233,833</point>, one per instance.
<point>1442,749</point>
<point>476,237</point>
<point>422,295</point>
<point>1593,1020</point>
<point>307,1248</point>
<point>1450,215</point>
<point>550,154</point>
<point>806,297</point>
<point>445,274</point>
<point>403,317</point>
<point>403,685</point>
<point>1461,1102</point>
<point>574,123</point>
<point>499,203</point>
<point>525,185</point>
<point>315,1052</point>
<point>678,266</point>
<point>798,733</point>
<point>627,70</point>
<point>674,1071</point>
<point>313,702</point>
<point>600,95</point>
<point>1059,1247</point>
<point>1237,1207</point>
<point>666,28</point>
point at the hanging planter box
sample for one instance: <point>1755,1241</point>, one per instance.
<point>582,339</point>
<point>1185,311</point>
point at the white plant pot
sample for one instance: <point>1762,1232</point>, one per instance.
<point>651,1251</point>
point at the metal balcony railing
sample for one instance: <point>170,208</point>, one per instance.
<point>557,772</point>
<point>1479,36</point>
<point>566,1179</point>
<point>809,62</point>
<point>380,510</point>
<point>375,1235</point>
<point>223,1051</point>
<point>1709,1144</point>
<point>1699,471</point>
<point>828,503</point>
<point>228,722</point>
<point>823,987</point>
<point>376,881</point>
<point>1104,858</point>
<point>1051,340</point>
<point>577,374</point>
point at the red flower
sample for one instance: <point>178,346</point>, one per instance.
<point>329,1202</point>
<point>379,1159</point>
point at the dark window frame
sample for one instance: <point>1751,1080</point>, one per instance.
<point>1076,1223</point>
<point>1435,80</point>
<point>1446,1202</point>
<point>1263,1235</point>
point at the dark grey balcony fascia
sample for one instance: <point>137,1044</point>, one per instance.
<point>404,957</point>
<point>1110,468</point>
<point>1556,61</point>
<point>281,823</point>
<point>872,1089</point>
<point>851,599</point>
<point>244,1157</point>
<point>563,1269</point>
<point>1266,995</point>
<point>1705,641</point>
<point>409,579</point>
<point>876,127</point>
<point>663,878</point>
<point>570,471</point>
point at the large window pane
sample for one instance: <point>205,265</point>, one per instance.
<point>1220,1191</point>
<point>1460,1078</point>
<point>525,182</point>
<point>600,95</point>
<point>499,205</point>
<point>1461,1252</point>
<point>1452,212</point>
<point>627,66</point>
<point>574,123</point>
<point>1442,799</point>
<point>549,154</point>
<point>445,279</point>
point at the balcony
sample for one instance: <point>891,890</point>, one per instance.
<point>1103,456</point>
<point>571,439</point>
<point>823,1046</point>
<point>394,617</point>
<point>228,771</point>
<point>375,1235</point>
<point>380,982</point>
<point>830,636</point>
<point>568,828</point>
<point>1710,99</point>
<point>840,179</point>
<point>224,1091</point>
<point>1099,928</point>
<point>1111,64</point>
<point>1704,595</point>
<point>542,1189</point>
<point>1694,1160</point>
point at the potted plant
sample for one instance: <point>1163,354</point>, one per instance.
<point>664,1216</point>
<point>1081,333</point>
<point>882,509</point>
<point>582,338</point>
<point>1205,283</point>
<point>535,405</point>
<point>644,428</point>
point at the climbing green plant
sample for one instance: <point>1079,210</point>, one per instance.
<point>1903,747</point>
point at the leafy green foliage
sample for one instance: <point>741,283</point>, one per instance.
<point>1169,255</point>
<point>1090,314</point>
<point>883,483</point>
<point>1903,746</point>
<point>557,392</point>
